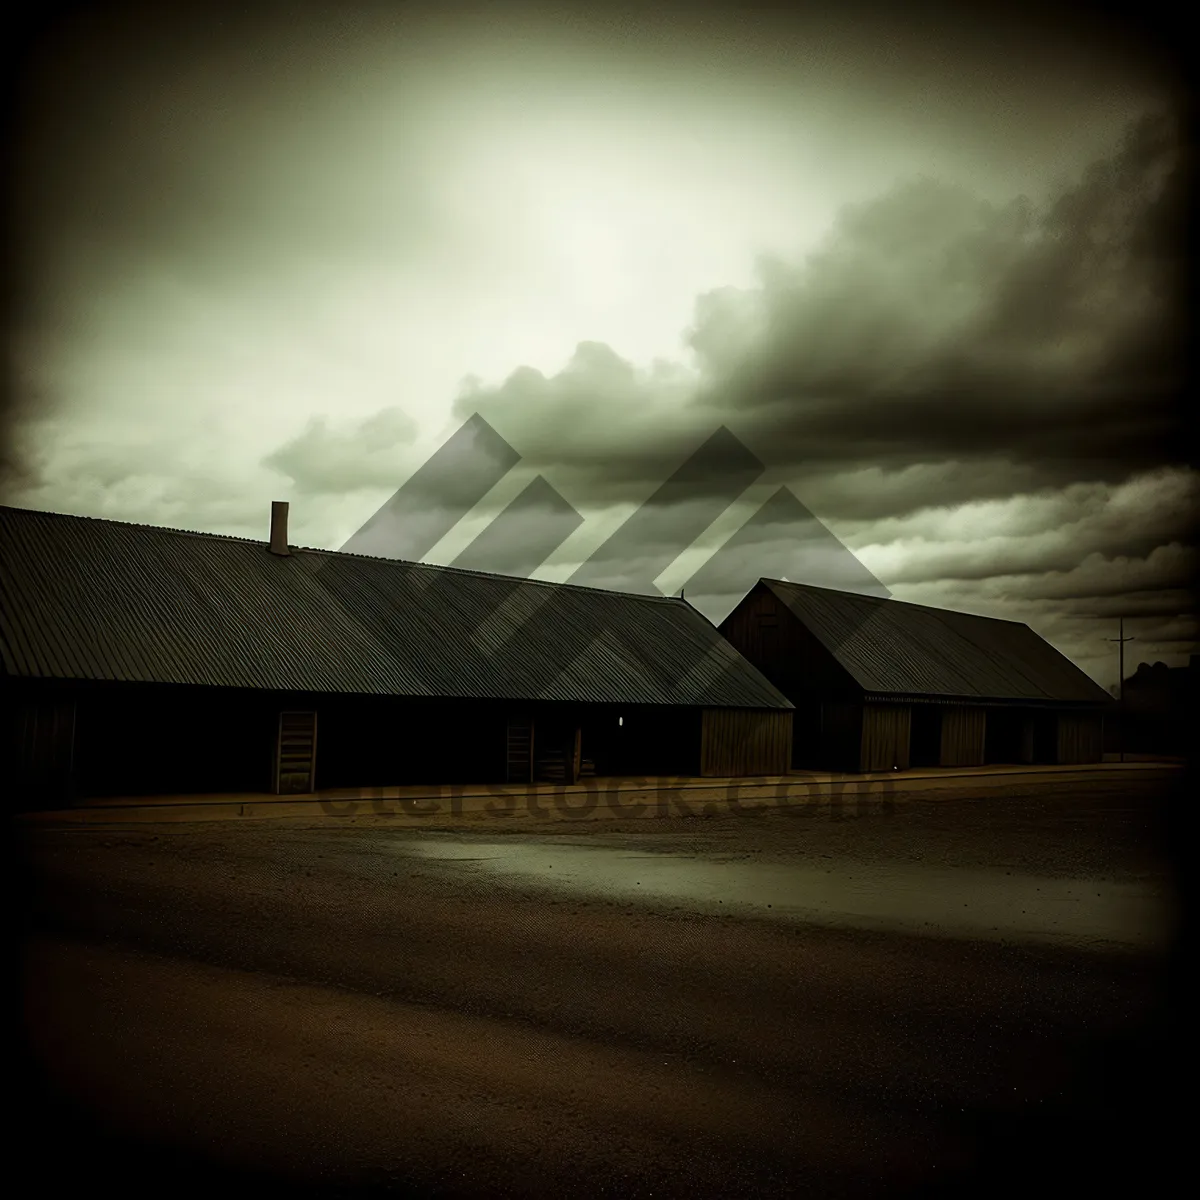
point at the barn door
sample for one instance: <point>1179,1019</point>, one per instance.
<point>296,753</point>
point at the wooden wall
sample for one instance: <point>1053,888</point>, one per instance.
<point>963,734</point>
<point>39,756</point>
<point>1080,737</point>
<point>740,741</point>
<point>886,730</point>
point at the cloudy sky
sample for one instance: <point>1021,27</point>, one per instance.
<point>912,273</point>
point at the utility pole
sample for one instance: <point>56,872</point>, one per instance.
<point>1121,639</point>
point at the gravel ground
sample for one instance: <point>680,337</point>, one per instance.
<point>314,1005</point>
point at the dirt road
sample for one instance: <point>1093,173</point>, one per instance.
<point>951,994</point>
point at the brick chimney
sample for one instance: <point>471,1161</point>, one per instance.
<point>279,532</point>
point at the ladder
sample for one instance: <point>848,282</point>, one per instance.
<point>519,766</point>
<point>296,753</point>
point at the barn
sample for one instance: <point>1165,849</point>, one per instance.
<point>881,684</point>
<point>144,660</point>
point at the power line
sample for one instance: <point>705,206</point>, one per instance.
<point>1121,639</point>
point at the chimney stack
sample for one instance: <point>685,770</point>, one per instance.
<point>279,532</point>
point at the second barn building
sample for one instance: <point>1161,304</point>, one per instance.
<point>881,684</point>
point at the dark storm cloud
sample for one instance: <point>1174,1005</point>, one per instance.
<point>854,495</point>
<point>1166,571</point>
<point>207,143</point>
<point>1052,530</point>
<point>358,456</point>
<point>932,330</point>
<point>936,326</point>
<point>1057,571</point>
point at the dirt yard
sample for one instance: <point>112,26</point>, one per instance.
<point>944,993</point>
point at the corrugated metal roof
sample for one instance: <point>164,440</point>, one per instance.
<point>85,598</point>
<point>891,647</point>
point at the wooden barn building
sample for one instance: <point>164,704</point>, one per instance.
<point>143,660</point>
<point>881,684</point>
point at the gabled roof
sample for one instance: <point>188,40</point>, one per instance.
<point>890,647</point>
<point>91,599</point>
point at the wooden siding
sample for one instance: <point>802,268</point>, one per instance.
<point>886,730</point>
<point>1080,738</point>
<point>296,753</point>
<point>40,756</point>
<point>737,741</point>
<point>963,733</point>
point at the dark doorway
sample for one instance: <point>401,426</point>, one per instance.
<point>926,736</point>
<point>841,736</point>
<point>141,741</point>
<point>806,737</point>
<point>557,749</point>
<point>644,741</point>
<point>384,742</point>
<point>1045,737</point>
<point>602,743</point>
<point>1002,735</point>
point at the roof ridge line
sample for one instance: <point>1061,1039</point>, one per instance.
<point>954,612</point>
<point>318,550</point>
